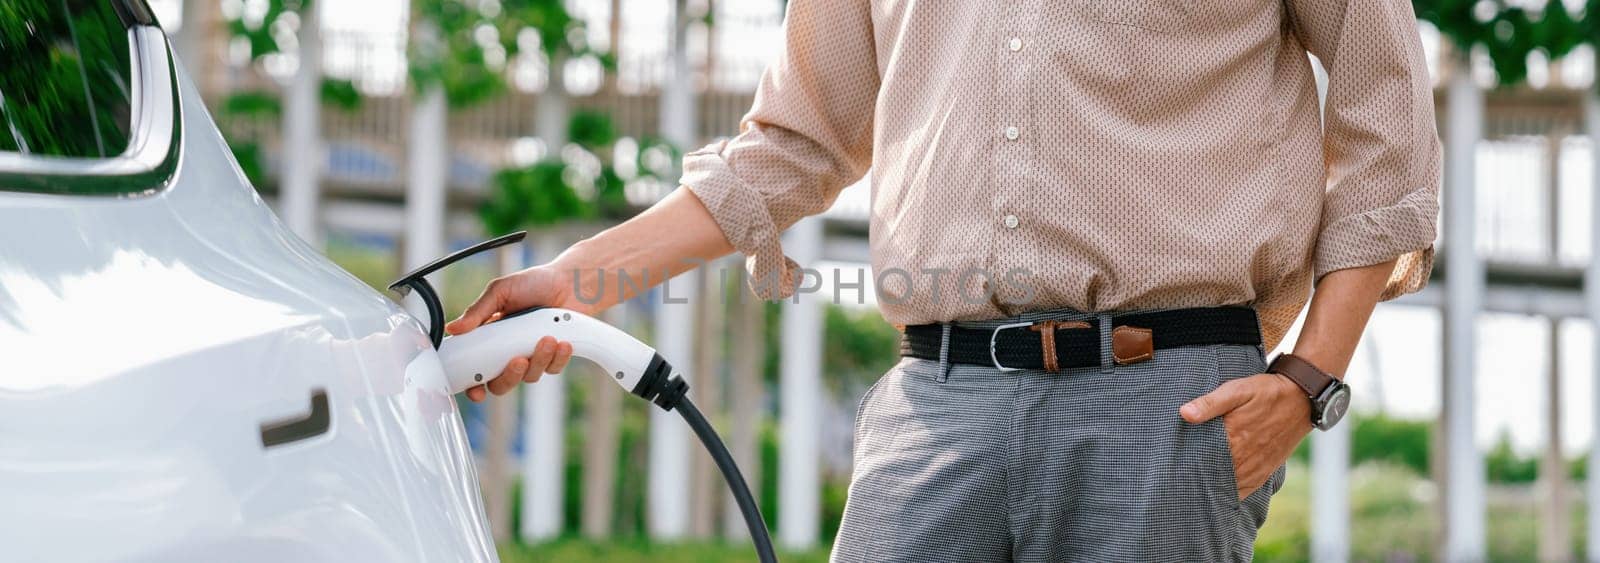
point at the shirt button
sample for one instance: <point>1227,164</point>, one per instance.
<point>1012,133</point>
<point>1015,44</point>
<point>1011,221</point>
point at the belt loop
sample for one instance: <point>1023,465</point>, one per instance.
<point>1106,361</point>
<point>944,353</point>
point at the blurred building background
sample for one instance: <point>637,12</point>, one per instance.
<point>390,133</point>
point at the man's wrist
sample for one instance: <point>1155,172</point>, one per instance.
<point>1325,362</point>
<point>1288,390</point>
<point>1308,376</point>
<point>1329,397</point>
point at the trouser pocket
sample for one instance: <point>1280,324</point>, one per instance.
<point>863,424</point>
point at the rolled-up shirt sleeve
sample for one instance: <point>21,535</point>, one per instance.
<point>807,136</point>
<point>1381,147</point>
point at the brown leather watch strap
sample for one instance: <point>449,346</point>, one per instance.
<point>1310,378</point>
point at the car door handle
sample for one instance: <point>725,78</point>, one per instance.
<point>284,431</point>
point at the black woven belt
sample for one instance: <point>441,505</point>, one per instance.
<point>1135,337</point>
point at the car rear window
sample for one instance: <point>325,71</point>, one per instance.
<point>65,85</point>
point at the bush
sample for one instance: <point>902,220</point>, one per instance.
<point>1406,443</point>
<point>1503,465</point>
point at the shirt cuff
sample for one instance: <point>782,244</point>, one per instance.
<point>741,213</point>
<point>1403,232</point>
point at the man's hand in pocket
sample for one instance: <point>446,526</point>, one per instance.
<point>1266,416</point>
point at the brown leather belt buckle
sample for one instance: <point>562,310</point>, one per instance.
<point>1047,339</point>
<point>1131,345</point>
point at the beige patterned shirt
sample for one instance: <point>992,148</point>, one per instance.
<point>1097,155</point>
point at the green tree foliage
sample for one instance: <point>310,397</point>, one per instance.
<point>591,129</point>
<point>243,106</point>
<point>533,196</point>
<point>474,40</point>
<point>1406,443</point>
<point>341,94</point>
<point>251,104</point>
<point>1509,33</point>
<point>860,347</point>
<point>251,158</point>
<point>265,37</point>
<point>464,49</point>
<point>1503,465</point>
<point>64,78</point>
<point>580,186</point>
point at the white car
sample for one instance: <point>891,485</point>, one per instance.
<point>181,378</point>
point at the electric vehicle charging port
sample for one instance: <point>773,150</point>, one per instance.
<point>467,357</point>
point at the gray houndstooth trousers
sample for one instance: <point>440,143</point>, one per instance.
<point>968,463</point>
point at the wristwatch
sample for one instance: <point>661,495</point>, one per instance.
<point>1330,398</point>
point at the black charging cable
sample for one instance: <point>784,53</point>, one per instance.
<point>730,473</point>
<point>671,394</point>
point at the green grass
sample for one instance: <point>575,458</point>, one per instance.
<point>576,550</point>
<point>1393,518</point>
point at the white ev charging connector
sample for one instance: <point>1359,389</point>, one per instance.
<point>473,358</point>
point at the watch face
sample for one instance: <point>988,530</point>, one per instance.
<point>1334,406</point>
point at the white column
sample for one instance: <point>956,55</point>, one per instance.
<point>602,414</point>
<point>425,185</point>
<point>550,109</point>
<point>800,385</point>
<point>302,138</point>
<point>677,91</point>
<point>1464,285</point>
<point>670,442</point>
<point>669,438</point>
<point>1555,541</point>
<point>1592,291</point>
<point>749,352</point>
<point>1330,494</point>
<point>426,174</point>
<point>1330,454</point>
<point>544,415</point>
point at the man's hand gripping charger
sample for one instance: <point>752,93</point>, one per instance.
<point>472,359</point>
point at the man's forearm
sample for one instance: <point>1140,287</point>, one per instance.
<point>671,237</point>
<point>1340,307</point>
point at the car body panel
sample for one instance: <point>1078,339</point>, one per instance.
<point>145,340</point>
